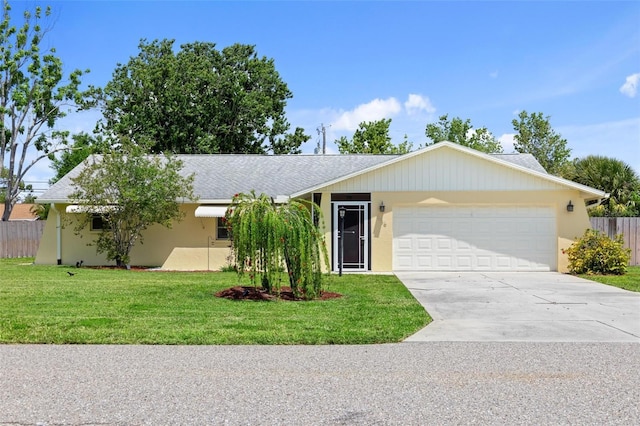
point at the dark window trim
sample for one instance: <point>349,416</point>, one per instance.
<point>222,233</point>
<point>98,223</point>
<point>351,196</point>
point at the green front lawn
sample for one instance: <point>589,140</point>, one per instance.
<point>44,304</point>
<point>628,281</point>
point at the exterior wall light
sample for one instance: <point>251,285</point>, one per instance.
<point>569,206</point>
<point>382,206</point>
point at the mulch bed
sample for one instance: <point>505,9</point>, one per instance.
<point>244,292</point>
<point>254,293</point>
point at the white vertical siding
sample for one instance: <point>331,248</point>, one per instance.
<point>444,170</point>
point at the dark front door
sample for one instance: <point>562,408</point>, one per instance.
<point>354,238</point>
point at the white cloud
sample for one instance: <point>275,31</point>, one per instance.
<point>507,140</point>
<point>493,74</point>
<point>377,109</point>
<point>418,103</point>
<point>630,87</point>
<point>617,139</point>
<point>408,118</point>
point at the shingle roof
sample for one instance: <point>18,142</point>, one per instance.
<point>525,160</point>
<point>219,176</point>
<point>20,212</point>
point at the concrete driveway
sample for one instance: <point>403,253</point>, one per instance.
<point>522,306</point>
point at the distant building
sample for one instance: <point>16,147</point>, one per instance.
<point>21,212</point>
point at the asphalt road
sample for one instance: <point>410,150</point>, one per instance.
<point>399,384</point>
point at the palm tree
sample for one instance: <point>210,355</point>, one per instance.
<point>610,175</point>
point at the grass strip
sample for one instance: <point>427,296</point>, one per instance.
<point>629,281</point>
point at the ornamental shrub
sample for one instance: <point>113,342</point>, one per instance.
<point>596,253</point>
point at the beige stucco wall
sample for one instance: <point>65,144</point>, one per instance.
<point>569,225</point>
<point>189,245</point>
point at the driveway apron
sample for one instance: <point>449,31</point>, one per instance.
<point>522,306</point>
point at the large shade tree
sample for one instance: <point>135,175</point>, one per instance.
<point>200,100</point>
<point>534,135</point>
<point>34,95</point>
<point>82,147</point>
<point>129,191</point>
<point>372,137</point>
<point>463,133</point>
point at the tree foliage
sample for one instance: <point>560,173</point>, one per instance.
<point>33,96</point>
<point>463,133</point>
<point>40,210</point>
<point>290,143</point>
<point>534,135</point>
<point>129,191</point>
<point>268,239</point>
<point>372,137</point>
<point>83,146</point>
<point>199,100</point>
<point>18,185</point>
<point>612,176</point>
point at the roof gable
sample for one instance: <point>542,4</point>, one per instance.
<point>446,166</point>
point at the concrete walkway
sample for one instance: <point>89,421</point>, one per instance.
<point>522,307</point>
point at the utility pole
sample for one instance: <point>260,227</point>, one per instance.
<point>322,130</point>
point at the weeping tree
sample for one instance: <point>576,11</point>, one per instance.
<point>270,240</point>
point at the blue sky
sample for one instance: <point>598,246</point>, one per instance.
<point>348,62</point>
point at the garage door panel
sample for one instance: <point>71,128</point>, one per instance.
<point>404,262</point>
<point>424,243</point>
<point>474,238</point>
<point>403,243</point>
<point>464,262</point>
<point>483,262</point>
<point>462,245</point>
<point>424,262</point>
<point>444,243</point>
<point>503,262</point>
<point>444,262</point>
<point>483,212</point>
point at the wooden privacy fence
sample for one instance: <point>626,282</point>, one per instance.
<point>629,227</point>
<point>20,238</point>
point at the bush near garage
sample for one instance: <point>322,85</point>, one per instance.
<point>596,253</point>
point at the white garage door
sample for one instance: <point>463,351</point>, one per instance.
<point>474,239</point>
